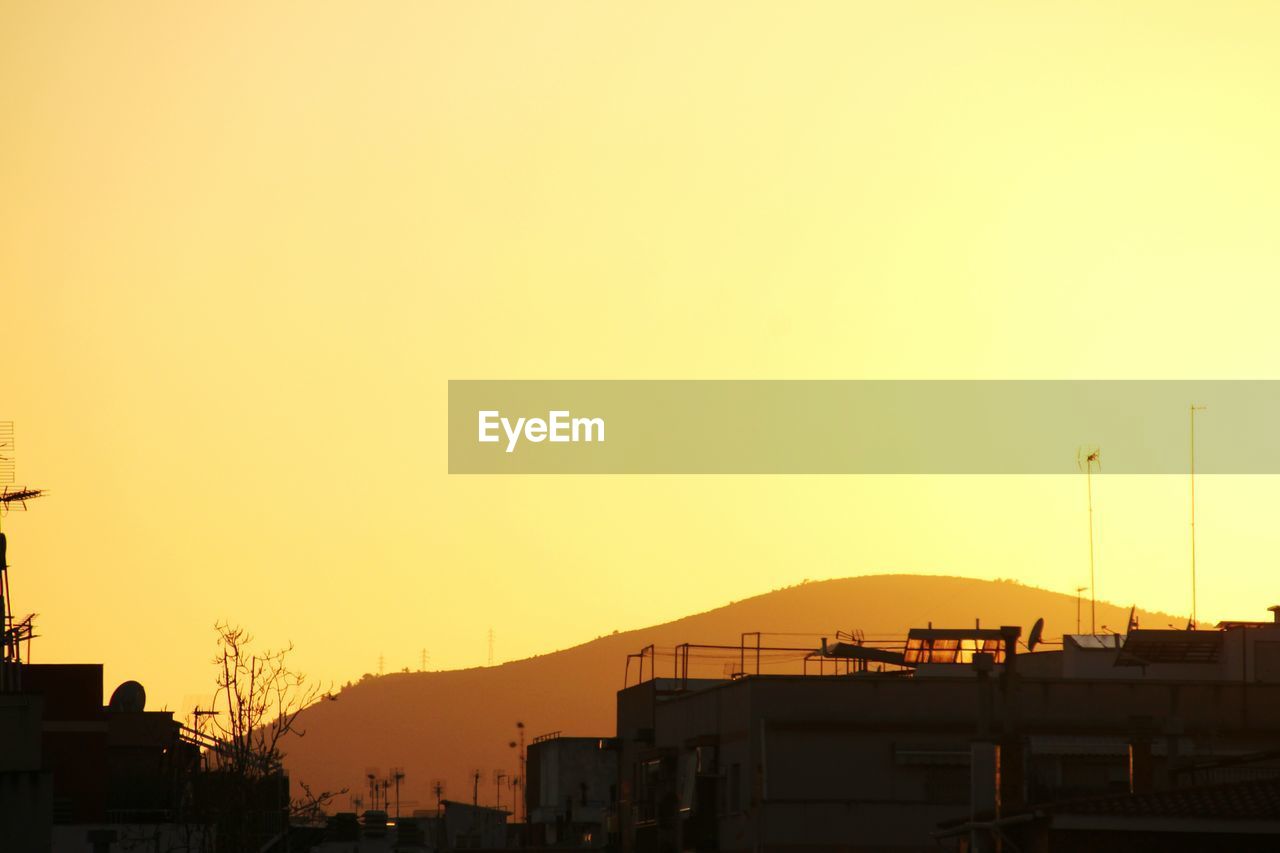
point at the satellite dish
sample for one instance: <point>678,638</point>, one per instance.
<point>128,697</point>
<point>1037,630</point>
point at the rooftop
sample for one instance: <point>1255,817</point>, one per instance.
<point>1254,799</point>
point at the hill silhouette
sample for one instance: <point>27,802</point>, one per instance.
<point>447,724</point>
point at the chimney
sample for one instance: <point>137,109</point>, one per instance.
<point>984,759</point>
<point>1275,612</point>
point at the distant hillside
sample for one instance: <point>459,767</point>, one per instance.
<point>445,725</point>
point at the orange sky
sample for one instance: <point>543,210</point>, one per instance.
<point>243,248</point>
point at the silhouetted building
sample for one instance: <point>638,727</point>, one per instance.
<point>1240,817</point>
<point>26,787</point>
<point>572,783</point>
<point>470,827</point>
<point>82,774</point>
<point>952,724</point>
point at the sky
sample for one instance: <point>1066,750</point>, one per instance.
<point>244,246</point>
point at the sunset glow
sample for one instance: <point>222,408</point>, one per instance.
<point>244,247</point>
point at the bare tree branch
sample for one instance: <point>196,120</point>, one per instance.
<point>256,705</point>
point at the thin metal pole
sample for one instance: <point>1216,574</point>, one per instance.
<point>1093,587</point>
<point>1194,409</point>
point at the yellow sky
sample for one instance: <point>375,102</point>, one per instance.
<point>243,247</point>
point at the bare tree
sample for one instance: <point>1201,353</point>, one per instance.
<point>311,808</point>
<point>258,700</point>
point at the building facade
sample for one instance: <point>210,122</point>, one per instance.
<point>968,728</point>
<point>572,784</point>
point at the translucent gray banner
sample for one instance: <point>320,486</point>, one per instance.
<point>860,427</point>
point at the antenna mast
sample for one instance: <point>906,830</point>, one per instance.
<point>1087,459</point>
<point>1194,409</point>
<point>397,775</point>
<point>13,632</point>
<point>499,776</point>
<point>437,788</point>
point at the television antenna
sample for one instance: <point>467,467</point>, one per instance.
<point>1088,458</point>
<point>11,497</point>
<point>7,462</point>
<point>499,776</point>
<point>13,631</point>
<point>397,776</point>
<point>438,788</point>
<point>15,498</point>
<point>197,717</point>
